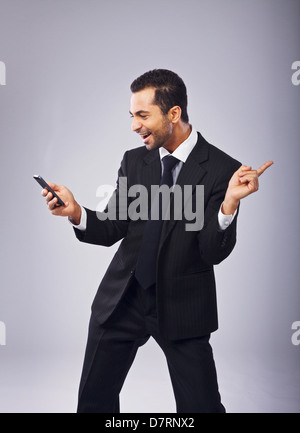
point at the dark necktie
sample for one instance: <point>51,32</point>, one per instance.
<point>145,271</point>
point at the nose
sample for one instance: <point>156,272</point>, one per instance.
<point>135,125</point>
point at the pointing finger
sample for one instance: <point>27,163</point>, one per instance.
<point>266,165</point>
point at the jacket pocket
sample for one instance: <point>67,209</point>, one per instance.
<point>195,271</point>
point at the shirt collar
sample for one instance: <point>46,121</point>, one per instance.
<point>184,149</point>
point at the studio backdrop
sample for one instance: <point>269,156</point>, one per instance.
<point>65,71</point>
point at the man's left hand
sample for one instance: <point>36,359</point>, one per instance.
<point>242,183</point>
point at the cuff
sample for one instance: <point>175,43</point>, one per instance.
<point>83,220</point>
<point>225,220</point>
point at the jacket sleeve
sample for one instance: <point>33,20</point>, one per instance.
<point>216,244</point>
<point>107,227</point>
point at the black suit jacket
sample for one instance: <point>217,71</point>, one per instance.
<point>185,286</point>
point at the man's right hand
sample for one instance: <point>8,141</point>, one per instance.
<point>71,209</point>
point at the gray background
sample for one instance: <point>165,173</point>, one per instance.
<point>64,115</point>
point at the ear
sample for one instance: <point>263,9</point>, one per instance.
<point>174,114</point>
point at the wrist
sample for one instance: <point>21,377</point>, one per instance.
<point>229,206</point>
<point>76,215</point>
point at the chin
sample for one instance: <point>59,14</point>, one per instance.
<point>152,146</point>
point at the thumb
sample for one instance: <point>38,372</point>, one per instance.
<point>52,185</point>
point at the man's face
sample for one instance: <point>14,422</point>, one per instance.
<point>148,120</point>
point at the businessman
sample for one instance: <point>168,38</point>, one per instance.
<point>160,282</point>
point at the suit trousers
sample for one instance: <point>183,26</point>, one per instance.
<point>111,349</point>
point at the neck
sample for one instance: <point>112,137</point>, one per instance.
<point>180,134</point>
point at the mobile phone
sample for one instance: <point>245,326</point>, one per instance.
<point>44,184</point>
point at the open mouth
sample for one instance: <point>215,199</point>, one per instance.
<point>145,137</point>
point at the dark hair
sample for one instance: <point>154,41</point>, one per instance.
<point>169,88</point>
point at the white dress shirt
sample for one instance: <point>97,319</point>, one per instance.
<point>182,152</point>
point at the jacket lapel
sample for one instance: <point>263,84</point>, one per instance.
<point>191,173</point>
<point>151,173</point>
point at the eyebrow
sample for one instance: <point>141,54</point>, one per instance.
<point>139,112</point>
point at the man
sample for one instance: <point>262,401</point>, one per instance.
<point>160,282</point>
